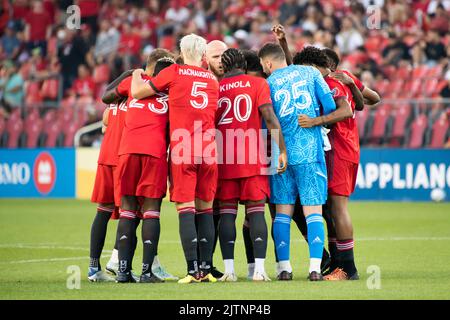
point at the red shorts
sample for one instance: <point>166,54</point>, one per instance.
<point>106,187</point>
<point>142,175</point>
<point>254,188</point>
<point>341,177</point>
<point>191,181</point>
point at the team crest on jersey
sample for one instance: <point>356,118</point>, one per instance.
<point>336,92</point>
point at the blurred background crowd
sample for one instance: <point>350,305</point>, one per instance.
<point>52,77</point>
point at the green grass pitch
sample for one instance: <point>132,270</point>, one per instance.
<point>40,239</point>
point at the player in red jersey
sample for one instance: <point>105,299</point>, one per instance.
<point>243,101</point>
<point>342,162</point>
<point>193,95</point>
<point>142,174</point>
<point>371,97</point>
<point>105,185</point>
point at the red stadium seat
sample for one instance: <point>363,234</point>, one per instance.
<point>101,73</point>
<point>401,115</point>
<point>412,88</point>
<point>420,72</point>
<point>50,89</point>
<point>395,89</point>
<point>361,121</point>
<point>403,73</point>
<point>33,93</point>
<point>382,87</point>
<point>69,133</point>
<point>381,117</point>
<point>49,117</point>
<point>32,130</point>
<point>430,88</point>
<point>417,132</point>
<point>52,132</point>
<point>14,130</point>
<point>434,72</point>
<point>439,132</point>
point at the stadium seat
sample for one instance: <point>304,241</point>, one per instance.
<point>439,132</point>
<point>403,73</point>
<point>49,118</point>
<point>14,130</point>
<point>382,87</point>
<point>32,131</point>
<point>2,131</point>
<point>52,133</point>
<point>32,93</point>
<point>377,133</point>
<point>419,72</point>
<point>430,88</point>
<point>412,88</point>
<point>361,120</point>
<point>50,89</point>
<point>401,117</point>
<point>69,133</point>
<point>417,131</point>
<point>101,73</point>
<point>434,72</point>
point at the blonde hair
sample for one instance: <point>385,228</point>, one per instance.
<point>193,47</point>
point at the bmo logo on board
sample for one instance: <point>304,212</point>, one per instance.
<point>44,172</point>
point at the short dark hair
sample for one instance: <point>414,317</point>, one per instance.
<point>161,64</point>
<point>273,50</point>
<point>157,54</point>
<point>233,59</point>
<point>253,62</point>
<point>333,57</point>
<point>311,55</point>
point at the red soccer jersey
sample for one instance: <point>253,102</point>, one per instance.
<point>193,95</point>
<point>239,121</point>
<point>344,136</point>
<point>146,122</point>
<point>109,151</point>
<point>358,83</point>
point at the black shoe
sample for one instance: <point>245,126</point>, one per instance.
<point>284,276</point>
<point>150,278</point>
<point>125,277</point>
<point>354,276</point>
<point>326,261</point>
<point>315,276</point>
<point>216,273</point>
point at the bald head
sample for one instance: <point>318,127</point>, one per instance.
<point>214,51</point>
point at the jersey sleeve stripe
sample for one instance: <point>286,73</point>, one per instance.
<point>153,86</point>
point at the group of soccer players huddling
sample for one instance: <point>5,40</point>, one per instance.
<point>252,129</point>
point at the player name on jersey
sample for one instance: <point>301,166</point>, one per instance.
<point>235,85</point>
<point>196,73</point>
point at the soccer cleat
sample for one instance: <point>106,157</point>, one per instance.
<point>339,274</point>
<point>95,275</point>
<point>260,276</point>
<point>125,277</point>
<point>284,276</point>
<point>207,277</point>
<point>150,278</point>
<point>216,273</point>
<point>228,277</point>
<point>161,273</point>
<point>112,267</point>
<point>315,276</point>
<point>190,279</point>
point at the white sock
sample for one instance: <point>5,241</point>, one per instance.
<point>251,269</point>
<point>259,266</point>
<point>277,268</point>
<point>229,265</point>
<point>314,264</point>
<point>114,256</point>
<point>284,266</point>
<point>156,263</point>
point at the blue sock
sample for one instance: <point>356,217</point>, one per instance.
<point>282,235</point>
<point>316,235</point>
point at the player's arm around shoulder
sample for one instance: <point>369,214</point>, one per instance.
<point>140,89</point>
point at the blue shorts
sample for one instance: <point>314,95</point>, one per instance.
<point>309,181</point>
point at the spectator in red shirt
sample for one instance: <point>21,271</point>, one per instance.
<point>84,85</point>
<point>130,41</point>
<point>90,10</point>
<point>37,27</point>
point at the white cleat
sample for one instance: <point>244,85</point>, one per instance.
<point>100,276</point>
<point>112,267</point>
<point>228,277</point>
<point>161,273</point>
<point>260,276</point>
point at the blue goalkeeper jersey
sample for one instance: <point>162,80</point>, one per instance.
<point>297,90</point>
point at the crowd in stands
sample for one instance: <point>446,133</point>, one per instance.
<point>52,76</point>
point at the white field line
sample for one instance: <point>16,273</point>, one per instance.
<point>45,246</point>
<point>47,260</point>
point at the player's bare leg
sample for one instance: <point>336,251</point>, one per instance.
<point>127,233</point>
<point>227,238</point>
<point>205,236</point>
<point>98,235</point>
<point>258,235</point>
<point>189,240</point>
<point>316,236</point>
<point>344,234</point>
<point>282,239</point>
<point>151,229</point>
